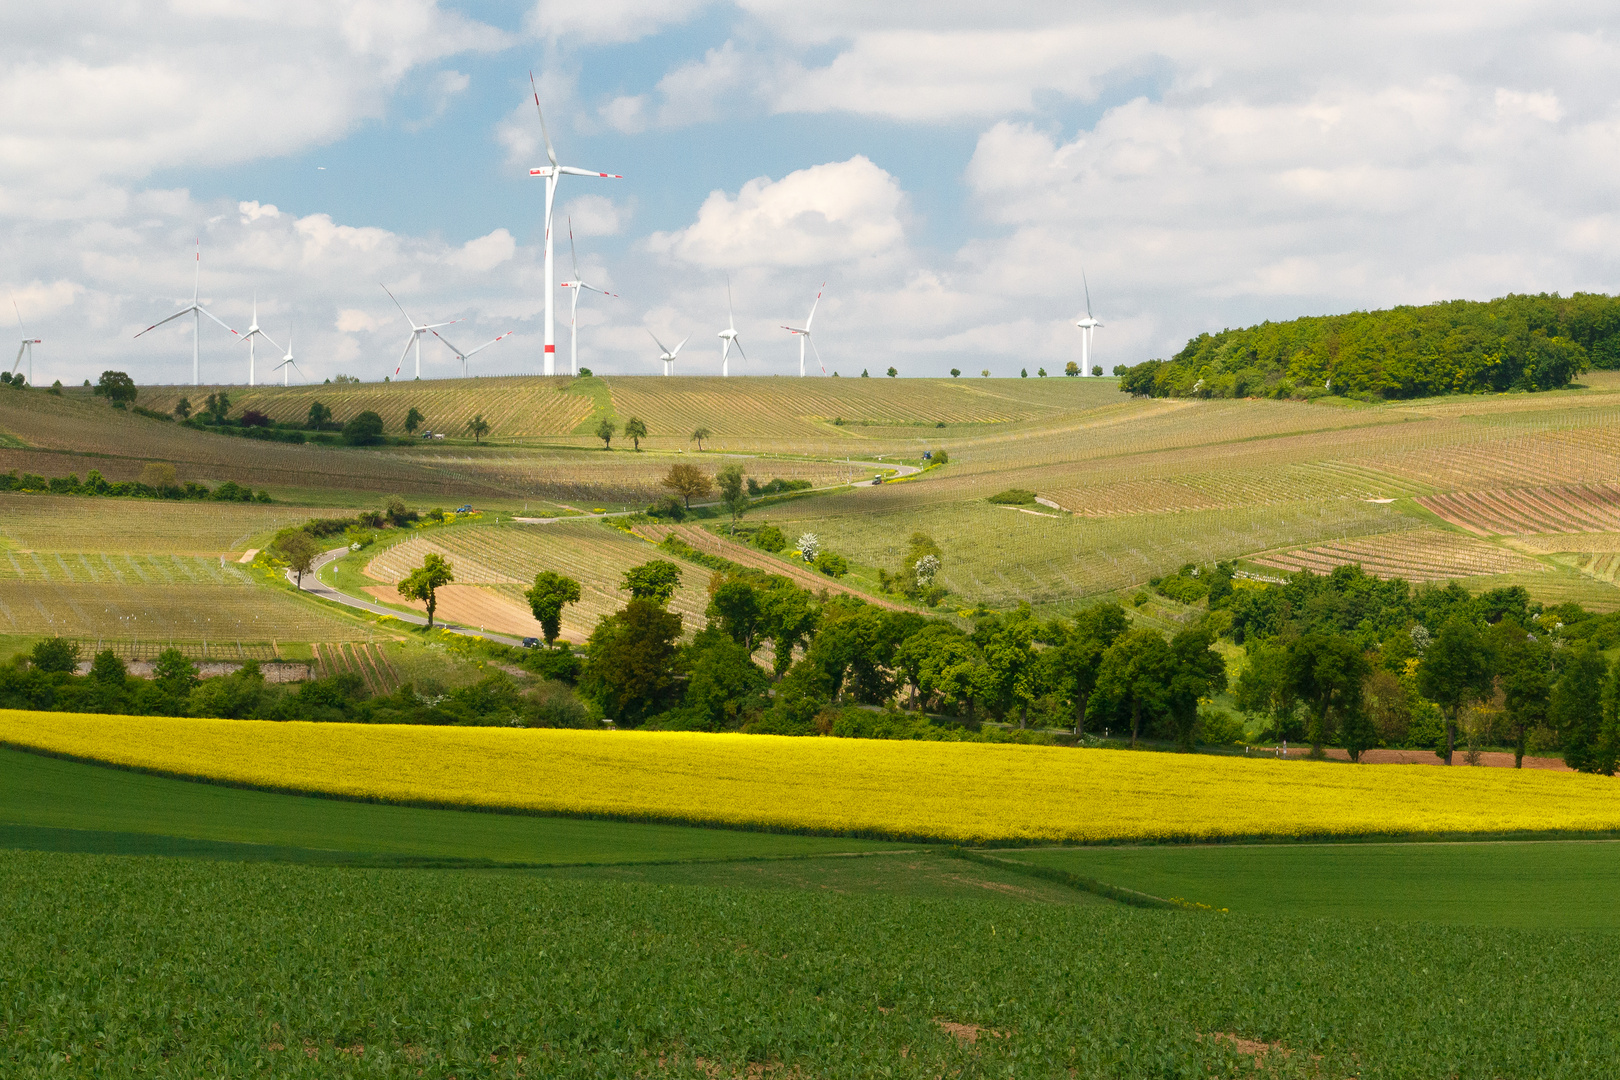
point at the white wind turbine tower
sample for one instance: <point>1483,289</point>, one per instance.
<point>462,356</point>
<point>553,173</point>
<point>804,334</point>
<point>253,332</point>
<point>573,305</point>
<point>196,311</point>
<point>27,345</point>
<point>287,361</point>
<point>1087,326</point>
<point>417,330</point>
<point>728,336</point>
<point>668,355</point>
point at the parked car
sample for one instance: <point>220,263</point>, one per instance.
<point>531,643</point>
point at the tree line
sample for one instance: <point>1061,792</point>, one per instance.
<point>1516,342</point>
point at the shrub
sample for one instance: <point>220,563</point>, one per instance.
<point>365,429</point>
<point>1013,497</point>
<point>254,418</point>
<point>831,564</point>
<point>770,538</point>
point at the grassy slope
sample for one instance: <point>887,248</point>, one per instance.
<point>41,794</point>
<point>1569,885</point>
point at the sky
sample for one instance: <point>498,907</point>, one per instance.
<point>949,170</point>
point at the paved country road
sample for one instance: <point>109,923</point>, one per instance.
<point>313,585</point>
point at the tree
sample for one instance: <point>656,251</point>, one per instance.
<point>546,599</point>
<point>365,429</point>
<point>1074,663</point>
<point>218,407</point>
<point>1455,670</point>
<point>723,684</point>
<point>654,582</point>
<point>985,374</point>
<point>182,409</point>
<point>788,616</point>
<point>159,476</point>
<point>320,416</point>
<point>892,373</point>
<point>629,672</point>
<point>956,373</point>
<point>55,654</point>
<point>479,427</point>
<point>1327,673</point>
<point>1134,676</point>
<point>1023,373</point>
<point>635,431</point>
<point>299,549</point>
<point>1071,368</point>
<point>1009,656</point>
<point>699,435</point>
<point>175,676</point>
<point>733,492</point>
<point>605,430</point>
<point>116,387</point>
<point>1607,756</point>
<point>1524,669</point>
<point>413,420</point>
<point>735,608</point>
<point>424,582</point>
<point>1040,372</point>
<point>688,481</point>
<point>108,668</point>
<point>1577,706</point>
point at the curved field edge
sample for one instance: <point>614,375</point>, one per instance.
<point>954,792</point>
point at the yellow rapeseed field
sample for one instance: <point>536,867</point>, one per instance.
<point>949,791</point>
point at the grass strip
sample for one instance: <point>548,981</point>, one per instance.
<point>1064,877</point>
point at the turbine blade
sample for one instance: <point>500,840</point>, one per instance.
<point>731,315</point>
<point>196,280</point>
<point>459,354</point>
<point>171,318</point>
<point>399,305</point>
<point>18,310</point>
<point>817,351</point>
<point>487,344</point>
<point>452,322</point>
<point>211,315</point>
<point>571,171</point>
<point>1087,285</point>
<point>738,342</point>
<point>813,307</point>
<point>405,352</point>
<point>658,343</point>
<point>677,351</point>
<point>572,254</point>
<point>550,153</point>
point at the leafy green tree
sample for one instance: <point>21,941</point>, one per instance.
<point>688,481</point>
<point>1074,663</point>
<point>736,609</point>
<point>733,492</point>
<point>1134,676</point>
<point>1009,657</point>
<point>1524,671</point>
<point>699,435</point>
<point>218,406</point>
<point>298,549</point>
<point>116,387</point>
<point>1197,672</point>
<point>654,581</point>
<point>108,668</point>
<point>635,431</point>
<point>425,581</point>
<point>892,373</point>
<point>413,420</point>
<point>1607,754</point>
<point>605,430</point>
<point>174,676</point>
<point>956,373</point>
<point>1071,368</point>
<point>319,418</point>
<point>723,684</point>
<point>788,616</point>
<point>1456,669</point>
<point>479,427</point>
<point>54,654</point>
<point>1326,672</point>
<point>1577,706</point>
<point>547,596</point>
<point>182,409</point>
<point>630,671</point>
<point>366,429</point>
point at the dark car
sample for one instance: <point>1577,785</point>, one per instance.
<point>531,643</point>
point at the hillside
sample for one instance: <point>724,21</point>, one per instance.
<point>1537,342</point>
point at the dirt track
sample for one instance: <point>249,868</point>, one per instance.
<point>471,605</point>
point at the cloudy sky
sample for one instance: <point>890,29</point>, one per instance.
<point>948,174</point>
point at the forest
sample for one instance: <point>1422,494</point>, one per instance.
<point>1528,343</point>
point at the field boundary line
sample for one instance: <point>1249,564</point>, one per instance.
<point>1103,889</point>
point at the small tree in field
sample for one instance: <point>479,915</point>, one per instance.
<point>424,582</point>
<point>733,492</point>
<point>299,549</point>
<point>655,581</point>
<point>182,409</point>
<point>605,431</point>
<point>479,427</point>
<point>547,598</point>
<point>116,387</point>
<point>635,431</point>
<point>413,420</point>
<point>688,481</point>
<point>699,435</point>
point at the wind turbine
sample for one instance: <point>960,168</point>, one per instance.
<point>196,311</point>
<point>253,332</point>
<point>462,356</point>
<point>1086,326</point>
<point>553,173</point>
<point>287,361</point>
<point>27,345</point>
<point>728,336</point>
<point>804,334</point>
<point>417,330</point>
<point>573,304</point>
<point>668,355</point>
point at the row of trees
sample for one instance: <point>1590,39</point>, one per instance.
<point>1512,343</point>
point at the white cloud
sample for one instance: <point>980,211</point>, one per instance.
<point>604,21</point>
<point>252,211</point>
<point>595,215</point>
<point>834,213</point>
<point>485,252</point>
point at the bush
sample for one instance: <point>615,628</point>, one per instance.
<point>831,564</point>
<point>1217,727</point>
<point>1013,497</point>
<point>55,654</point>
<point>254,418</point>
<point>770,538</point>
<point>364,430</point>
<point>669,508</point>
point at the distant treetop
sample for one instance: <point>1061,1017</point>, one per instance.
<point>1516,342</point>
